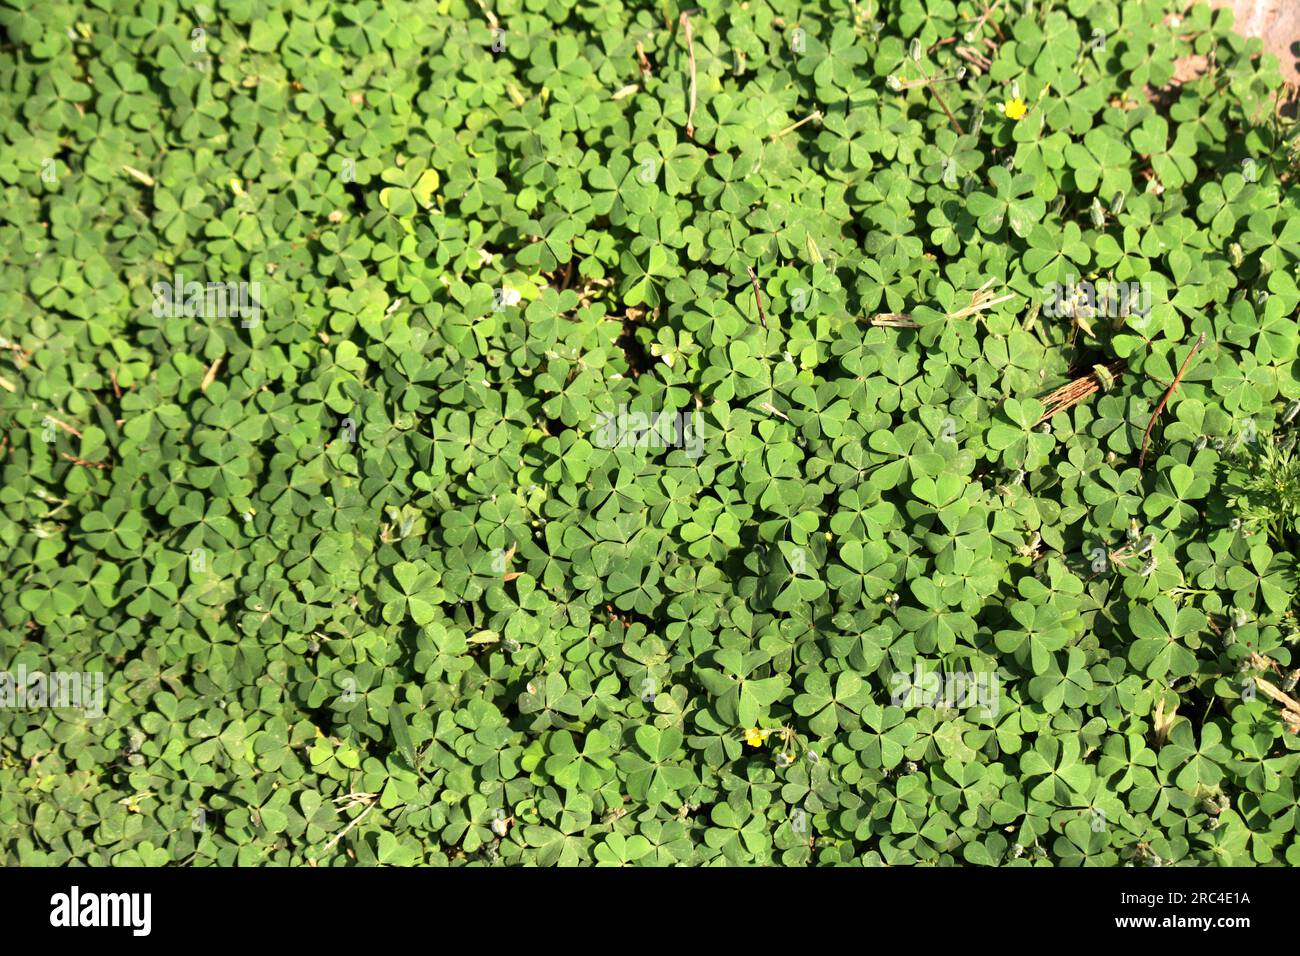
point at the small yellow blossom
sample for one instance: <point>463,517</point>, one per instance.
<point>755,737</point>
<point>1015,108</point>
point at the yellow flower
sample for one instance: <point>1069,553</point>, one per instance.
<point>1015,108</point>
<point>755,737</point>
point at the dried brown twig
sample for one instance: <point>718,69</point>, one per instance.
<point>758,298</point>
<point>1146,437</point>
<point>933,84</point>
<point>84,463</point>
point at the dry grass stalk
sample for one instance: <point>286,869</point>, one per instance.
<point>894,320</point>
<point>1072,393</point>
<point>211,374</point>
<point>977,60</point>
<point>64,425</point>
<point>690,48</point>
<point>981,299</point>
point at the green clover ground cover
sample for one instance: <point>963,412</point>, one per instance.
<point>486,508</point>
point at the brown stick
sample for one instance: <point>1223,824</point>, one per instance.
<point>1146,437</point>
<point>83,462</point>
<point>690,46</point>
<point>931,83</point>
<point>952,119</point>
<point>758,298</point>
